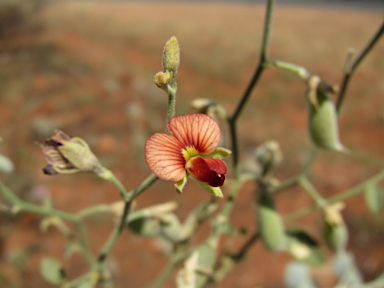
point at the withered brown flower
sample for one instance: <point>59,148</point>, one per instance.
<point>66,155</point>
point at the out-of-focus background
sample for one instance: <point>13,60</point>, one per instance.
<point>87,67</point>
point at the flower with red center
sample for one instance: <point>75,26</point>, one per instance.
<point>191,149</point>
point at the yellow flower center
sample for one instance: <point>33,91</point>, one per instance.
<point>189,152</point>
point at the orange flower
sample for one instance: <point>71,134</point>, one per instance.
<point>191,149</point>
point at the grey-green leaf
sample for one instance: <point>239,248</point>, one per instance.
<point>52,270</point>
<point>374,197</point>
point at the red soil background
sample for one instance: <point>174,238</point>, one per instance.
<point>89,72</point>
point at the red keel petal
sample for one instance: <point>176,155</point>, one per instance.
<point>207,170</point>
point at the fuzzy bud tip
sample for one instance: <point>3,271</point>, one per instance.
<point>171,55</point>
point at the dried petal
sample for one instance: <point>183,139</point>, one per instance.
<point>66,155</point>
<point>164,157</point>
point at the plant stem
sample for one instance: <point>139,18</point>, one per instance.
<point>176,258</point>
<point>248,244</point>
<point>142,187</point>
<point>102,208</point>
<point>300,71</point>
<point>21,205</point>
<point>307,185</point>
<point>84,246</point>
<point>259,69</point>
<point>350,68</point>
<point>108,175</point>
<point>115,233</point>
<point>171,111</point>
<point>294,180</point>
<point>340,197</point>
<point>128,197</point>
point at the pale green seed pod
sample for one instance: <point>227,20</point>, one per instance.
<point>374,197</point>
<point>336,236</point>
<point>323,126</point>
<point>171,55</point>
<point>271,225</point>
<point>302,247</point>
<point>6,165</point>
<point>335,231</point>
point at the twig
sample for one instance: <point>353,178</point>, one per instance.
<point>349,69</point>
<point>259,69</point>
<point>340,197</point>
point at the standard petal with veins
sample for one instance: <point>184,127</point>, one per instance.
<point>197,130</point>
<point>164,157</point>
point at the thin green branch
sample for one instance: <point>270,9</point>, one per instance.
<point>299,70</point>
<point>115,233</point>
<point>142,187</point>
<point>83,245</point>
<point>294,180</point>
<point>176,258</point>
<point>172,89</point>
<point>21,205</point>
<point>342,196</point>
<point>128,197</point>
<point>307,185</point>
<point>246,246</point>
<point>350,68</point>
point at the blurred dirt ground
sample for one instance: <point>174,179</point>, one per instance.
<point>88,70</point>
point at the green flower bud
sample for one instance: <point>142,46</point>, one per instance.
<point>171,55</point>
<point>66,155</point>
<point>162,79</point>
